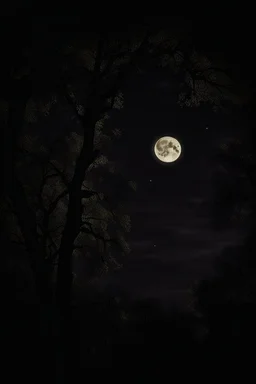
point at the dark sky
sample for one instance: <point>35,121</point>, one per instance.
<point>173,241</point>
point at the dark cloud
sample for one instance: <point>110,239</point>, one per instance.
<point>172,240</point>
<point>186,247</point>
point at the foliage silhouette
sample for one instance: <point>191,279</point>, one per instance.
<point>85,73</point>
<point>227,302</point>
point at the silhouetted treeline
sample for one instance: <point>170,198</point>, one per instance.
<point>113,332</point>
<point>98,332</point>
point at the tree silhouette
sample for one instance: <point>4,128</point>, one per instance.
<point>235,182</point>
<point>85,73</point>
<point>227,300</point>
<point>45,174</point>
<point>134,333</point>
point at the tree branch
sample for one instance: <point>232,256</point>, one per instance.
<point>54,204</point>
<point>127,69</point>
<point>97,235</point>
<point>87,194</point>
<point>92,218</point>
<point>60,174</point>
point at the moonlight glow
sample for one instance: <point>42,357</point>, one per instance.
<point>167,149</point>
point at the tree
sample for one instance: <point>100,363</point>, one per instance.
<point>45,175</point>
<point>87,72</point>
<point>235,182</point>
<point>110,61</point>
<point>227,300</point>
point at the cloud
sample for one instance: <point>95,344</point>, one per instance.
<point>186,248</point>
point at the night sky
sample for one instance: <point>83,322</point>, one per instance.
<point>172,239</point>
<point>173,242</point>
<point>186,289</point>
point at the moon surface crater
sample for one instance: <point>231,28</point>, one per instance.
<point>167,149</point>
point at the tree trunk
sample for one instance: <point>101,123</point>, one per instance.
<point>73,222</point>
<point>64,273</point>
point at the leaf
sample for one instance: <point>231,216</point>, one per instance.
<point>125,222</point>
<point>119,101</point>
<point>132,184</point>
<point>117,132</point>
<point>87,194</point>
<point>99,162</point>
<point>87,58</point>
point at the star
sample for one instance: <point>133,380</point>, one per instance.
<point>150,181</point>
<point>207,128</point>
<point>154,245</point>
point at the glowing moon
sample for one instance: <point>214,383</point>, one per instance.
<point>167,149</point>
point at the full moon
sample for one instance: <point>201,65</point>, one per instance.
<point>167,149</point>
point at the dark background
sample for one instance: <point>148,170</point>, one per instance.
<point>174,239</point>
